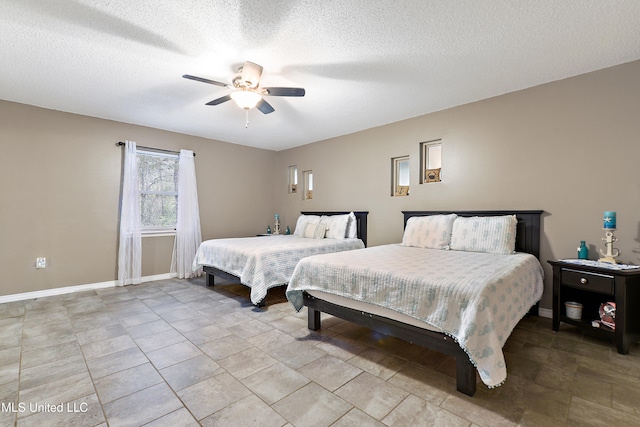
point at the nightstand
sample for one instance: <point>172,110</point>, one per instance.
<point>592,286</point>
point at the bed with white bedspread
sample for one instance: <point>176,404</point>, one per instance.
<point>470,295</point>
<point>476,298</point>
<point>262,263</point>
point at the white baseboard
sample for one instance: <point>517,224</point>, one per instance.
<point>542,312</point>
<point>77,288</point>
<point>545,312</point>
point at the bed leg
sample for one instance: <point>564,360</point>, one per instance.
<point>465,376</point>
<point>313,317</point>
<point>210,279</point>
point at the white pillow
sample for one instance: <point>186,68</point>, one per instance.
<point>491,234</point>
<point>302,221</point>
<point>432,231</point>
<point>352,227</point>
<point>336,225</point>
<point>315,231</point>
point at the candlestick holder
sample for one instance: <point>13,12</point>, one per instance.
<point>276,226</point>
<point>610,253</point>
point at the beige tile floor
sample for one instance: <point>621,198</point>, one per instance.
<point>176,353</point>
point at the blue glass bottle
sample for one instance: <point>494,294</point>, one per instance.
<point>268,229</point>
<point>583,251</point>
<point>287,231</point>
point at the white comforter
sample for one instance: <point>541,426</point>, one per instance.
<point>264,262</point>
<point>476,298</point>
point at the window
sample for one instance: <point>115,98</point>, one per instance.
<point>293,179</point>
<point>431,161</point>
<point>158,184</point>
<point>308,185</point>
<point>400,176</point>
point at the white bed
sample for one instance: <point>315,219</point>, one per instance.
<point>472,298</point>
<point>268,261</point>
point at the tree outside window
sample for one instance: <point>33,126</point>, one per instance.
<point>158,184</point>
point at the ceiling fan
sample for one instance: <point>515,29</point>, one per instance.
<point>247,92</point>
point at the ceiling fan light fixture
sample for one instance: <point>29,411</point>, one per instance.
<point>247,92</point>
<point>245,99</point>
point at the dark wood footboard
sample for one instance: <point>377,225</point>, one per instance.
<point>211,272</point>
<point>465,371</point>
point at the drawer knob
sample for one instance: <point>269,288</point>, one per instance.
<point>583,281</point>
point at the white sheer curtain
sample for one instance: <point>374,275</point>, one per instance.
<point>188,235</point>
<point>130,250</point>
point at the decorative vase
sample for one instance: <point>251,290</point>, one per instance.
<point>583,251</point>
<point>287,230</point>
<point>268,229</point>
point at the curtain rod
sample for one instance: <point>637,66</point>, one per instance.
<point>120,143</point>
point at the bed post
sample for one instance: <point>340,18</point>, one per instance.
<point>209,275</point>
<point>465,375</point>
<point>313,319</point>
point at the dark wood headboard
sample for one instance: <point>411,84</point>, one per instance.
<point>361,221</point>
<point>527,233</point>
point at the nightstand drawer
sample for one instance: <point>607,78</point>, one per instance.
<point>588,281</point>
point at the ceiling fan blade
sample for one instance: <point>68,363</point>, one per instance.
<point>251,74</point>
<point>264,107</point>
<point>284,91</point>
<point>203,80</point>
<point>219,100</point>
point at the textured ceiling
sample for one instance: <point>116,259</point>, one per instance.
<point>363,63</point>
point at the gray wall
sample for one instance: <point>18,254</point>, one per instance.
<point>59,198</point>
<point>569,148</point>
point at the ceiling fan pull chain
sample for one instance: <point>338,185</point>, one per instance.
<point>246,125</point>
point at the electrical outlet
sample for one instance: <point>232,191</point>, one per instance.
<point>41,262</point>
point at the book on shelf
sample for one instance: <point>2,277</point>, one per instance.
<point>608,325</point>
